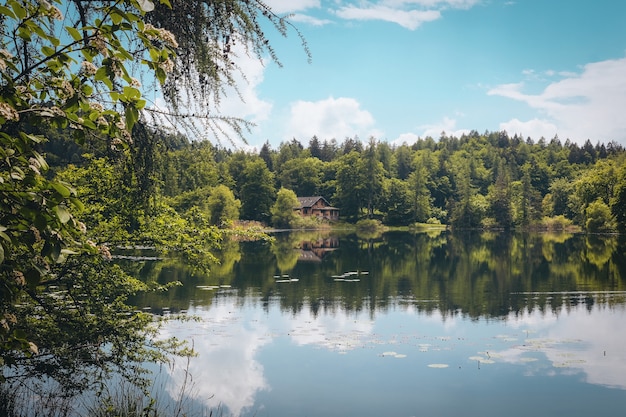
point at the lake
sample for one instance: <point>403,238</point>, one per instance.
<point>401,324</point>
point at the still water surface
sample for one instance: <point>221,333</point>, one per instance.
<point>403,325</point>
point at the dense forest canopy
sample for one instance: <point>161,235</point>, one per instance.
<point>488,180</point>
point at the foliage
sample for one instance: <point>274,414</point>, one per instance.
<point>75,77</point>
<point>63,309</point>
<point>257,192</point>
<point>222,206</point>
<point>283,210</point>
<point>81,328</point>
<point>559,222</point>
<point>599,217</point>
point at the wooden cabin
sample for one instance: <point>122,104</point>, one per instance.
<point>318,207</point>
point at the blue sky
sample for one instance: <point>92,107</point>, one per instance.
<point>402,69</point>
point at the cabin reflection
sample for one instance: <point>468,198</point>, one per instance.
<point>315,250</point>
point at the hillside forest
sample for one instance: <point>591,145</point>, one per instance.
<point>489,181</point>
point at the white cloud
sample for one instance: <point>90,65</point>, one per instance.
<point>247,104</point>
<point>410,19</point>
<point>534,128</point>
<point>226,371</point>
<point>410,14</point>
<point>588,105</point>
<point>291,6</point>
<point>241,101</point>
<point>408,138</point>
<point>309,20</point>
<point>440,4</point>
<point>575,339</point>
<point>330,118</point>
<point>447,125</point>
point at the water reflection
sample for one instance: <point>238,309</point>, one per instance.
<point>575,342</point>
<point>226,371</point>
<point>434,312</point>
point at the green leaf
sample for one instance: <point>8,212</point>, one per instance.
<point>131,93</point>
<point>74,33</point>
<point>132,116</point>
<point>116,16</point>
<point>1,254</point>
<point>77,203</point>
<point>62,213</point>
<point>51,250</point>
<point>19,10</point>
<point>24,33</point>
<point>33,277</point>
<point>61,189</point>
<point>101,74</point>
<point>47,51</point>
<point>40,221</point>
<point>5,11</point>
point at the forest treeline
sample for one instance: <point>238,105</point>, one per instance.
<point>489,180</point>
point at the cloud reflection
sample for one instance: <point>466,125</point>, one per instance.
<point>576,341</point>
<point>225,373</point>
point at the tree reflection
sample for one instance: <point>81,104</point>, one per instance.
<point>476,274</point>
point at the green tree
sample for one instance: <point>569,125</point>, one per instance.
<point>397,202</point>
<point>283,210</point>
<point>222,206</point>
<point>257,191</point>
<point>598,217</point>
<point>499,198</point>
<point>82,73</point>
<point>373,174</point>
<point>302,175</point>
<point>420,194</point>
<point>618,203</point>
<point>349,180</point>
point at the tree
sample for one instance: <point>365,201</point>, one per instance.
<point>257,191</point>
<point>618,203</point>
<point>500,198</point>
<point>302,175</point>
<point>223,207</point>
<point>283,210</point>
<point>349,179</point>
<point>373,174</point>
<point>398,203</point>
<point>83,72</point>
<point>598,217</point>
<point>56,76</point>
<point>420,194</point>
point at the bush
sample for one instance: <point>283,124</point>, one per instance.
<point>559,222</point>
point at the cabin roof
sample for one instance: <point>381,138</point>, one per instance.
<point>310,201</point>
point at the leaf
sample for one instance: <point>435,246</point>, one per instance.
<point>33,277</point>
<point>1,254</point>
<point>51,250</point>
<point>132,115</point>
<point>24,33</point>
<point>74,33</point>
<point>77,203</point>
<point>5,11</point>
<point>47,51</point>
<point>61,189</point>
<point>63,214</point>
<point>19,10</point>
<point>40,221</point>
